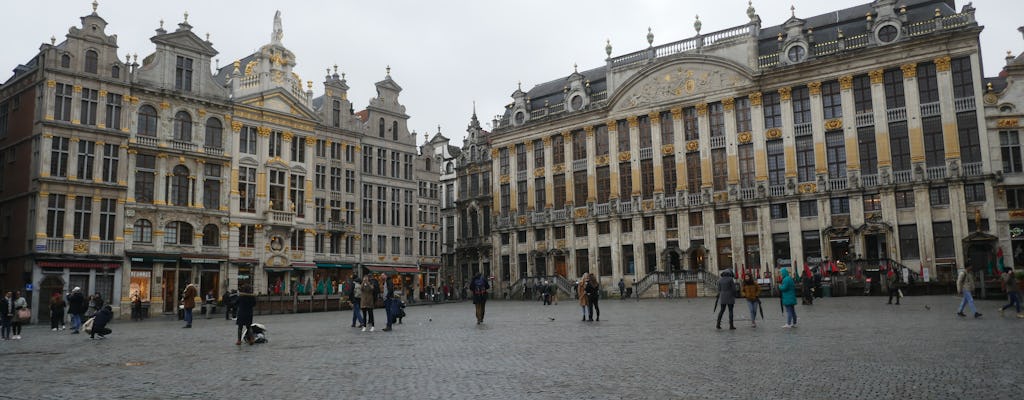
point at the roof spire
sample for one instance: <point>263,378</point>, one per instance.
<point>388,69</point>
<point>186,17</point>
<point>650,37</point>
<point>697,24</point>
<point>95,4</point>
<point>792,11</point>
<point>278,34</point>
<point>608,47</point>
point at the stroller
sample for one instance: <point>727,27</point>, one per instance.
<point>259,333</point>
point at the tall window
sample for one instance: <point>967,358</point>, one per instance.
<point>55,214</point>
<point>745,154</point>
<point>805,158</point>
<point>83,217</point>
<point>622,134</point>
<point>538,153</point>
<point>899,145</point>
<point>86,159</point>
<point>963,80</point>
<point>183,74</point>
<point>298,149</point>
<point>559,188</point>
<point>113,120</point>
<point>62,102</point>
<point>503,161</point>
<point>831,100</point>
<point>893,82</point>
<point>944,242</point>
<point>693,171</point>
<point>65,61</point>
<point>835,153</point>
<point>247,236</point>
<point>336,179</point>
<point>247,140</point>
<point>579,146</point>
<point>108,215</point>
<point>211,186</point>
<point>625,181</point>
<point>59,150</point>
<point>394,130</point>
<point>603,181</point>
<point>336,113</point>
<point>667,130</point>
<point>297,194</point>
<point>320,177</point>
<point>147,121</point>
<point>647,178</point>
<point>90,102</point>
<point>505,196</point>
<point>690,123</point>
<point>182,126</point>
<point>719,169</point>
<point>716,117</point>
<point>380,128</point>
<point>668,164</point>
<point>276,189</point>
<point>801,105</point>
<point>970,142</point>
<point>522,195</point>
<point>143,232</point>
<point>776,155</point>
<point>214,134</point>
<point>350,181</point>
<point>908,242</point>
<point>211,236</point>
<point>540,199</point>
<point>145,175</point>
<point>111,161</point>
<point>934,148</point>
<point>557,151</point>
<point>643,124</point>
<point>274,144</point>
<point>927,83</point>
<point>742,106</point>
<point>840,205</point>
<point>868,151</point>
<point>179,186</point>
<point>91,61</point>
<point>862,94</point>
<point>247,189</point>
<point>1009,143</point>
<point>771,105</point>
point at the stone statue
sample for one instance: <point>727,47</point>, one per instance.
<point>278,33</point>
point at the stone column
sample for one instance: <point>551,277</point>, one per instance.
<point>129,155</point>
<point>513,187</point>
<point>567,167</point>
<point>881,122</point>
<point>913,107</point>
<point>634,159</point>
<point>758,139</point>
<point>549,185</point>
<point>73,158</point>
<point>704,129</point>
<point>950,135</point>
<point>731,150</point>
<point>659,173</point>
<point>160,181</point>
<point>197,180</point>
<point>613,158</point>
<point>679,149</point>
<point>818,132</point>
<point>788,141</point>
<point>531,201</point>
<point>45,153</point>
<point>849,125</point>
<point>591,165</point>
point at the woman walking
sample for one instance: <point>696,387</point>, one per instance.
<point>368,297</point>
<point>245,303</point>
<point>726,297</point>
<point>56,311</point>
<point>751,290</point>
<point>581,291</point>
<point>788,291</point>
<point>19,304</point>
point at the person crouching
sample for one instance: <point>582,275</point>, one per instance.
<point>99,324</point>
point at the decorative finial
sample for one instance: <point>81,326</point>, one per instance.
<point>574,67</point>
<point>95,4</point>
<point>278,33</point>
<point>751,13</point>
<point>588,83</point>
<point>186,17</point>
<point>989,86</point>
<point>780,37</point>
<point>608,47</point>
<point>938,13</point>
<point>792,11</point>
<point>438,130</point>
<point>697,24</point>
<point>903,9</point>
<point>426,136</point>
<point>839,33</point>
<point>388,69</point>
<point>309,85</point>
<point>650,37</point>
<point>519,85</point>
<point>216,61</point>
<point>335,69</point>
<point>237,64</point>
<point>328,69</point>
<point>53,40</point>
<point>342,76</point>
<point>127,58</point>
<point>135,57</point>
<point>161,23</point>
<point>207,36</point>
<point>868,16</point>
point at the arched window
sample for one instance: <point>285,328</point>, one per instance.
<point>143,231</point>
<point>394,130</point>
<point>449,167</point>
<point>185,233</point>
<point>426,164</point>
<point>211,236</point>
<point>115,72</point>
<point>179,186</point>
<point>183,126</point>
<point>65,61</point>
<point>380,127</point>
<point>214,130</point>
<point>147,121</point>
<point>92,59</point>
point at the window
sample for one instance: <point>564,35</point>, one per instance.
<point>182,126</point>
<point>648,223</point>
<point>247,236</point>
<point>582,261</point>
<point>62,102</point>
<point>868,151</point>
<point>771,105</point>
<point>394,130</point>
<point>336,179</point>
<point>716,117</point>
<point>622,134</point>
<point>298,240</point>
<point>908,242</point>
<point>904,199</point>
<point>862,94</point>
<point>145,175</point>
<point>872,202</point>
<point>942,232</point>
<point>927,83</point>
<point>604,261</point>
<point>1015,198</point>
<point>643,123</point>
<point>540,193</point>
<point>86,159</point>
<point>538,153</point>
<point>626,226</point>
<point>722,217</point>
<point>893,82</point>
<point>247,189</point>
<point>5,115</point>
<point>503,160</point>
<point>65,61</point>
<point>974,193</point>
<point>970,142</point>
<point>90,102</point>
<point>742,106</point>
<point>801,105</point>
<point>211,236</point>
<point>274,144</point>
<point>559,188</point>
<point>380,128</point>
<point>692,172</point>
<point>214,134</point>
<point>963,80</point>
<point>298,149</point>
<point>211,186</point>
<point>647,178</point>
<point>628,265</point>
<point>83,217</point>
<point>808,208</point>
<point>690,123</point>
<point>668,165</point>
<point>1009,144</point>
<point>113,118</point>
<point>91,61</point>
<point>178,232</point>
<point>115,72</point>
<point>779,211</point>
<point>934,148</point>
<point>183,74</point>
<point>625,181</point>
<point>812,244</point>
<point>805,158</point>
<point>247,140</point>
<point>899,146</point>
<point>59,156</point>
<point>579,147</point>
<point>350,181</point>
<point>604,228</point>
<point>671,221</point>
<point>835,153</point>
<point>720,169</point>
<point>746,165</point>
<point>938,196</point>
<point>776,154</point>
<point>840,205</point>
<point>336,113</point>
<point>108,216</point>
<point>180,186</point>
<point>367,160</point>
<point>520,236</point>
<point>506,201</point>
<point>55,214</point>
<point>831,100</point>
<point>143,231</point>
<point>320,177</point>
<point>147,121</point>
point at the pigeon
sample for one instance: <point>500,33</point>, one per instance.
<point>926,307</point>
<point>551,319</point>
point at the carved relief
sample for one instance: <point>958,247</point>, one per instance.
<point>755,98</point>
<point>522,220</point>
<point>504,179</point>
<point>785,93</point>
<point>625,155</point>
<point>655,117</point>
<point>702,109</point>
<point>692,145</point>
<point>667,149</point>
<point>494,151</point>
<point>909,70</point>
<point>589,130</point>
<point>647,205</point>
<point>677,112</point>
<point>558,168</point>
<point>679,81</point>
<point>773,133</point>
<point>744,137</point>
<point>877,76</point>
<point>1007,123</point>
<point>580,212</point>
<point>846,82</point>
<point>834,124</point>
<point>602,159</point>
<point>539,172</point>
<point>728,103</point>
<point>632,121</point>
<point>808,188</point>
<point>942,64</point>
<point>814,88</point>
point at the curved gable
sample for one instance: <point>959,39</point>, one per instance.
<point>687,76</point>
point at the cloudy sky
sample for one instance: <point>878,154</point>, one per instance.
<point>444,54</point>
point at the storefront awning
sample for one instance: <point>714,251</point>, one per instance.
<point>431,267</point>
<point>380,268</point>
<point>333,265</point>
<point>277,269</point>
<point>304,266</point>
<point>78,264</point>
<point>407,270</point>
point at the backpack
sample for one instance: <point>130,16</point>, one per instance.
<point>479,286</point>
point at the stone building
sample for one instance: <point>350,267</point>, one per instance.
<point>473,250</point>
<point>851,136</point>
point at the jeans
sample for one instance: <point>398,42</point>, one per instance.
<point>790,315</point>
<point>356,315</point>
<point>56,319</point>
<point>188,317</point>
<point>752,306</point>
<point>368,317</point>
<point>722,311</point>
<point>1014,300</point>
<point>968,300</point>
<point>5,327</point>
<point>76,322</point>
<point>389,312</point>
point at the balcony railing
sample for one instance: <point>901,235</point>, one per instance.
<point>280,217</point>
<point>338,226</point>
<point>55,245</point>
<point>838,184</point>
<point>148,140</point>
<point>693,199</point>
<point>930,109</point>
<point>579,165</point>
<point>181,145</point>
<point>803,129</point>
<point>896,114</point>
<point>106,247</point>
<point>717,142</point>
<point>902,176</point>
<point>869,181</point>
<point>646,153</point>
<point>748,193</point>
<point>539,217</point>
<point>213,150</point>
<point>601,209</point>
<point>777,190</point>
<point>964,104</point>
<point>625,207</point>
<point>865,119</point>
<point>750,227</point>
<point>696,231</point>
<point>670,202</point>
<point>936,173</point>
<point>723,230</point>
<point>558,215</point>
<point>972,169</point>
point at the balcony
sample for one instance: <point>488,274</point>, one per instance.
<point>147,141</point>
<point>777,190</point>
<point>902,176</point>
<point>671,202</point>
<point>936,173</point>
<point>602,209</point>
<point>696,232</point>
<point>803,129</point>
<point>723,230</point>
<point>579,165</point>
<point>213,150</point>
<point>54,245</point>
<point>646,153</point>
<point>748,193</point>
<point>539,217</point>
<point>625,207</point>
<point>182,145</point>
<point>964,104</point>
<point>717,142</point>
<point>865,119</point>
<point>750,227</point>
<point>280,217</point>
<point>972,169</point>
<point>869,181</point>
<point>558,215</point>
<point>896,114</point>
<point>693,199</point>
<point>106,247</point>
<point>504,220</point>
<point>838,184</point>
<point>930,109</point>
<point>339,226</point>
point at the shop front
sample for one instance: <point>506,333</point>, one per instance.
<point>60,276</point>
<point>335,273</point>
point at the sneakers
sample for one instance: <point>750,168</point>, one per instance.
<point>102,337</point>
<point>1020,315</point>
<point>54,329</point>
<point>977,315</point>
<point>364,329</point>
<point>386,329</point>
<point>17,337</point>
<point>961,313</point>
<point>371,329</point>
<point>238,343</point>
<point>787,326</point>
<point>62,327</point>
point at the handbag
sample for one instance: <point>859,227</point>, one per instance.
<point>899,292</point>
<point>24,314</point>
<point>87,326</point>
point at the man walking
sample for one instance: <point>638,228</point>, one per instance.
<point>622,289</point>
<point>390,303</point>
<point>479,287</point>
<point>892,280</point>
<point>353,291</point>
<point>965,285</point>
<point>1012,290</point>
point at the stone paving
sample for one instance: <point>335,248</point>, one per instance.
<point>844,348</point>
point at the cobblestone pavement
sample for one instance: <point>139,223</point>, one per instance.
<point>851,347</point>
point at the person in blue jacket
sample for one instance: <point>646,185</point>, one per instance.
<point>788,291</point>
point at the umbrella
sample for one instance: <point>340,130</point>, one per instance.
<point>760,308</point>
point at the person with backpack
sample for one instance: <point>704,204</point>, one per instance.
<point>787,290</point>
<point>479,287</point>
<point>100,321</point>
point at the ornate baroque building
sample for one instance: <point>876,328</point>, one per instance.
<point>473,250</point>
<point>850,136</point>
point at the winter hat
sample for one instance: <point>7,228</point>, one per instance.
<point>76,289</point>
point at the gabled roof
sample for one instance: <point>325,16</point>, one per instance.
<point>185,39</point>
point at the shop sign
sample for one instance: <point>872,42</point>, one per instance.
<point>1016,231</point>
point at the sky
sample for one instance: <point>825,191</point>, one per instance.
<point>446,54</point>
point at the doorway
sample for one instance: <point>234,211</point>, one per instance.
<point>840,249</point>
<point>51,284</point>
<point>560,268</point>
<point>875,247</point>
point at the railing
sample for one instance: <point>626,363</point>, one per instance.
<point>696,231</point>
<point>625,207</point>
<point>972,169</point>
<point>777,190</point>
<point>768,60</point>
<point>936,173</point>
<point>826,48</point>
<point>869,181</point>
<point>280,217</point>
<point>539,217</point>
<point>920,27</point>
<point>646,153</point>
<point>857,41</point>
<point>578,165</point>
<point>671,202</point>
<point>213,150</point>
<point>838,184</point>
<point>964,104</point>
<point>748,193</point>
<point>715,37</point>
<point>896,114</point>
<point>148,140</point>
<point>504,221</point>
<point>521,175</point>
<point>642,285</point>
<point>680,46</point>
<point>558,215</point>
<point>723,229</point>
<point>602,209</point>
<point>106,247</point>
<point>250,81</point>
<point>181,145</point>
<point>803,129</point>
<point>930,109</point>
<point>693,199</point>
<point>955,20</point>
<point>338,226</point>
<point>751,227</point>
<point>538,113</point>
<point>902,176</point>
<point>55,245</point>
<point>865,119</point>
<point>717,142</point>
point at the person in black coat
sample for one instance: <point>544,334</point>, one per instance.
<point>390,303</point>
<point>76,307</point>
<point>230,304</point>
<point>244,306</point>
<point>100,321</point>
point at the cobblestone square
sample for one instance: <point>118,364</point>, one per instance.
<point>850,348</point>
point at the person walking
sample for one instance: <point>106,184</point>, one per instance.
<point>19,304</point>
<point>581,292</point>
<point>231,305</point>
<point>593,290</point>
<point>208,303</point>
<point>726,297</point>
<point>100,321</point>
<point>6,315</point>
<point>892,280</point>
<point>353,290</point>
<point>243,308</point>
<point>188,300</point>
<point>788,291</point>
<point>965,286</point>
<point>390,303</point>
<point>366,305</point>
<point>76,307</point>
<point>1012,290</point>
<point>56,311</point>
<point>622,289</point>
<point>136,299</point>
<point>752,292</point>
<point>479,286</point>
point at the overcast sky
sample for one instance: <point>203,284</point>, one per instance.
<point>444,54</point>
